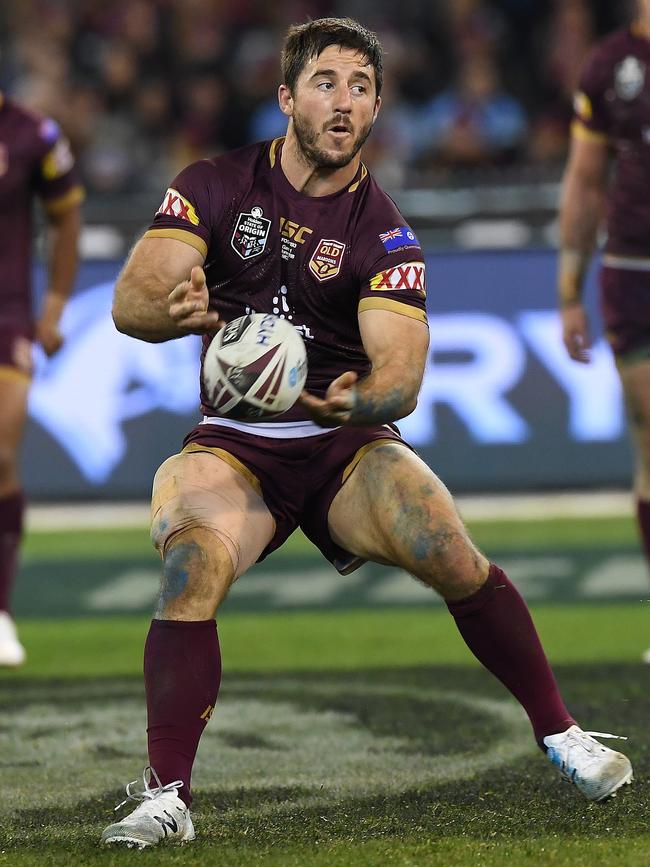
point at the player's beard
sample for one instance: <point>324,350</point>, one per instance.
<point>307,138</point>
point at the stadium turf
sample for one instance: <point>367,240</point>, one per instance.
<point>342,737</point>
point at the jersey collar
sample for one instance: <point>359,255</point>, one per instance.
<point>275,150</point>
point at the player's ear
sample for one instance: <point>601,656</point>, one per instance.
<point>377,107</point>
<point>285,100</point>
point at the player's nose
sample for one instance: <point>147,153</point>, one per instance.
<point>343,102</point>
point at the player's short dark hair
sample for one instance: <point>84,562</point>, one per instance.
<point>304,41</point>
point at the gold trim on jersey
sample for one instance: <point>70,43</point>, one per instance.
<point>582,106</point>
<point>64,203</point>
<point>273,150</point>
<point>394,307</point>
<point>8,371</point>
<point>361,453</point>
<point>180,235</point>
<point>580,131</point>
<point>231,460</point>
<point>355,186</point>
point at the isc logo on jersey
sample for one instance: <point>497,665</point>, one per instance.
<point>409,275</point>
<point>175,205</point>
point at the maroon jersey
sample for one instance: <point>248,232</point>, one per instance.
<point>35,160</point>
<point>613,106</point>
<point>316,261</point>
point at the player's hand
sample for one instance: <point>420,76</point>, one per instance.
<point>188,305</point>
<point>337,405</point>
<point>575,332</point>
<point>49,335</point>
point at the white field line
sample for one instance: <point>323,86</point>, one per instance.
<point>512,507</point>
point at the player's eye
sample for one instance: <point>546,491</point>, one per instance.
<point>358,89</point>
<point>325,85</point>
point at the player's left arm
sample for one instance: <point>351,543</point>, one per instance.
<point>397,347</point>
<point>63,259</point>
<point>56,183</point>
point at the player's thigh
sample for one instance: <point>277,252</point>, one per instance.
<point>208,521</point>
<point>635,378</point>
<point>14,389</point>
<point>394,509</point>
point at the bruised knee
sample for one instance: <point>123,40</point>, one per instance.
<point>445,558</point>
<point>196,576</point>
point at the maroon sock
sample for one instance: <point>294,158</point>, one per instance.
<point>643,517</point>
<point>498,629</point>
<point>182,673</point>
<point>11,529</point>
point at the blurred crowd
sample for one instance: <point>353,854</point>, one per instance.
<point>142,87</point>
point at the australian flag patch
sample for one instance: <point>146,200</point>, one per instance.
<point>398,238</point>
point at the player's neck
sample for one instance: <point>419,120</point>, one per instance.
<point>310,180</point>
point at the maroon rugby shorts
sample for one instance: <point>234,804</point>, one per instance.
<point>625,305</point>
<point>299,477</point>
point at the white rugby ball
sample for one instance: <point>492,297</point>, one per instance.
<point>254,368</point>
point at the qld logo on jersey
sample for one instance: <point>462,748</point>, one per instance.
<point>408,276</point>
<point>325,262</point>
<point>398,238</point>
<point>175,205</point>
<point>251,233</point>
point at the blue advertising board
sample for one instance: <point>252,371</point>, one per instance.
<point>502,407</point>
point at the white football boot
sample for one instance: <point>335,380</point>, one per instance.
<point>12,653</point>
<point>161,817</point>
<point>595,770</point>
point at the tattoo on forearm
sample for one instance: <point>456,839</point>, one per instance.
<point>378,409</point>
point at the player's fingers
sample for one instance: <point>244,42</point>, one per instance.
<point>345,380</point>
<point>180,291</point>
<point>182,309</point>
<point>310,401</point>
<point>341,402</point>
<point>202,323</point>
<point>51,346</point>
<point>212,323</point>
<point>577,346</point>
<point>197,278</point>
<point>54,347</point>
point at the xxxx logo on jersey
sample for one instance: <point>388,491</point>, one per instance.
<point>177,206</point>
<point>409,275</point>
<point>325,262</point>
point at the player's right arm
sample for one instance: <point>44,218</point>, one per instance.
<point>161,292</point>
<point>582,206</point>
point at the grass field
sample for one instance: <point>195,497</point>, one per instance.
<point>344,735</point>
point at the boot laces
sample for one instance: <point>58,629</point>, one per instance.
<point>581,738</point>
<point>147,793</point>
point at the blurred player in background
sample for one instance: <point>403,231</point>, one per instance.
<point>35,161</point>
<point>299,225</point>
<point>612,125</point>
